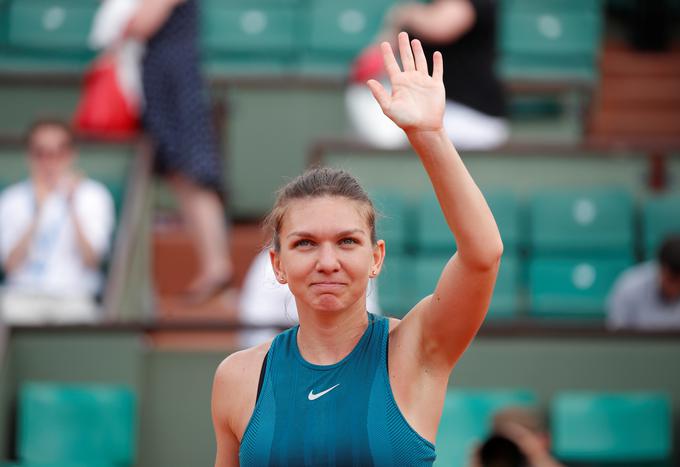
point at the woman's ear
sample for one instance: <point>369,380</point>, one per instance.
<point>378,258</point>
<point>275,258</point>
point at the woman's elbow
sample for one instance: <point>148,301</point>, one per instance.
<point>487,257</point>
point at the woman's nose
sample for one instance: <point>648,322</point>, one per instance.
<point>327,260</point>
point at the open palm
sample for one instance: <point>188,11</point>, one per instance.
<point>417,99</point>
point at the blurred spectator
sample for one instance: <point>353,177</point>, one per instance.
<point>518,439</point>
<point>55,229</point>
<point>265,301</point>
<point>177,117</point>
<point>465,32</point>
<point>647,296</point>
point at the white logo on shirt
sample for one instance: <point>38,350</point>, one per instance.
<point>311,396</point>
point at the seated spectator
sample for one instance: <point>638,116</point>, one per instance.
<point>55,229</point>
<point>265,301</point>
<point>647,296</point>
<point>465,32</point>
<point>518,439</point>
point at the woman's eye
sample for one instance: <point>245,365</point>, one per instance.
<point>302,243</point>
<point>348,241</point>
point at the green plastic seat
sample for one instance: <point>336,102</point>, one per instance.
<point>337,31</point>
<point>427,269</point>
<point>572,288</point>
<point>393,220</point>
<point>661,217</point>
<point>60,26</point>
<point>505,206</point>
<point>395,285</point>
<point>559,39</point>
<point>596,222</point>
<point>246,37</point>
<point>432,234</point>
<point>610,427</point>
<point>504,302</point>
<point>80,424</point>
<point>466,420</point>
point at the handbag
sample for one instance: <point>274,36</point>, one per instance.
<point>104,110</point>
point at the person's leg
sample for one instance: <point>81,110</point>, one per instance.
<point>19,307</point>
<point>473,130</point>
<point>203,213</point>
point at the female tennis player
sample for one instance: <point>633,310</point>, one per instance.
<point>346,387</point>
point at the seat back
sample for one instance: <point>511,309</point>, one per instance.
<point>466,420</point>
<point>589,426</point>
<point>572,288</point>
<point>661,217</point>
<point>79,423</point>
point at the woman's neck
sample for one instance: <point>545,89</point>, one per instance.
<point>325,338</point>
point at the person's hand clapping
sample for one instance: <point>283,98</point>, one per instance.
<point>417,100</point>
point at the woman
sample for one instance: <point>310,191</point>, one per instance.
<point>178,120</point>
<point>346,387</point>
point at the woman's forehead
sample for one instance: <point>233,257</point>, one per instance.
<point>328,213</point>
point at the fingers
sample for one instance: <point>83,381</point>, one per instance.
<point>379,93</point>
<point>437,66</point>
<point>391,65</point>
<point>419,56</point>
<point>405,52</point>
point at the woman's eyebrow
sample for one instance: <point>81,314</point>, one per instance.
<point>300,233</point>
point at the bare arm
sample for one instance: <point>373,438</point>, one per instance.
<point>87,252</point>
<point>221,407</point>
<point>446,321</point>
<point>149,17</point>
<point>19,253</point>
<point>439,22</point>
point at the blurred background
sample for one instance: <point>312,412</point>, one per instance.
<point>585,186</point>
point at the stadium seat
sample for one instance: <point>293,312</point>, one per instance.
<point>572,288</point>
<point>432,235</point>
<point>337,31</point>
<point>395,285</point>
<point>466,420</point>
<point>661,216</point>
<point>393,220</point>
<point>595,222</point>
<point>543,40</point>
<point>505,206</point>
<point>81,424</point>
<point>41,33</point>
<point>243,36</point>
<point>505,300</point>
<point>610,427</point>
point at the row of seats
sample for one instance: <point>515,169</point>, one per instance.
<point>584,426</point>
<point>557,39</point>
<point>566,247</point>
<point>97,424</point>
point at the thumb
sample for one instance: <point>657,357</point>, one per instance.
<point>379,93</point>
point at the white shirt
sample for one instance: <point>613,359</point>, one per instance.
<point>53,263</point>
<point>635,301</point>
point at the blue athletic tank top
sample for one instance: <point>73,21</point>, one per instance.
<point>332,415</point>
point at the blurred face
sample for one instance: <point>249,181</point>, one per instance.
<point>670,285</point>
<point>50,154</point>
<point>326,254</point>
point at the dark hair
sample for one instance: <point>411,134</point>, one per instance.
<point>316,183</point>
<point>43,122</point>
<point>669,254</point>
<point>499,451</point>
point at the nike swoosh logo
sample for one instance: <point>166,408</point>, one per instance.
<point>313,396</point>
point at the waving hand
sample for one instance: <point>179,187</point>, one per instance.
<point>417,99</point>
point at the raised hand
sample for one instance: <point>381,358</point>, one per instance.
<point>417,99</point>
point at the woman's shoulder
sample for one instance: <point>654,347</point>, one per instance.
<point>241,365</point>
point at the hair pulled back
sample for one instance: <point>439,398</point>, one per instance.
<point>317,183</point>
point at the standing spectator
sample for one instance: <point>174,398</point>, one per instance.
<point>647,296</point>
<point>178,119</point>
<point>55,229</point>
<point>465,32</point>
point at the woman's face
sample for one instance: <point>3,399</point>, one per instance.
<point>326,255</point>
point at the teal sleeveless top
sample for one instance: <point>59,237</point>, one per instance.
<point>334,415</point>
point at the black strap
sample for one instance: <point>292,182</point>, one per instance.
<point>262,371</point>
